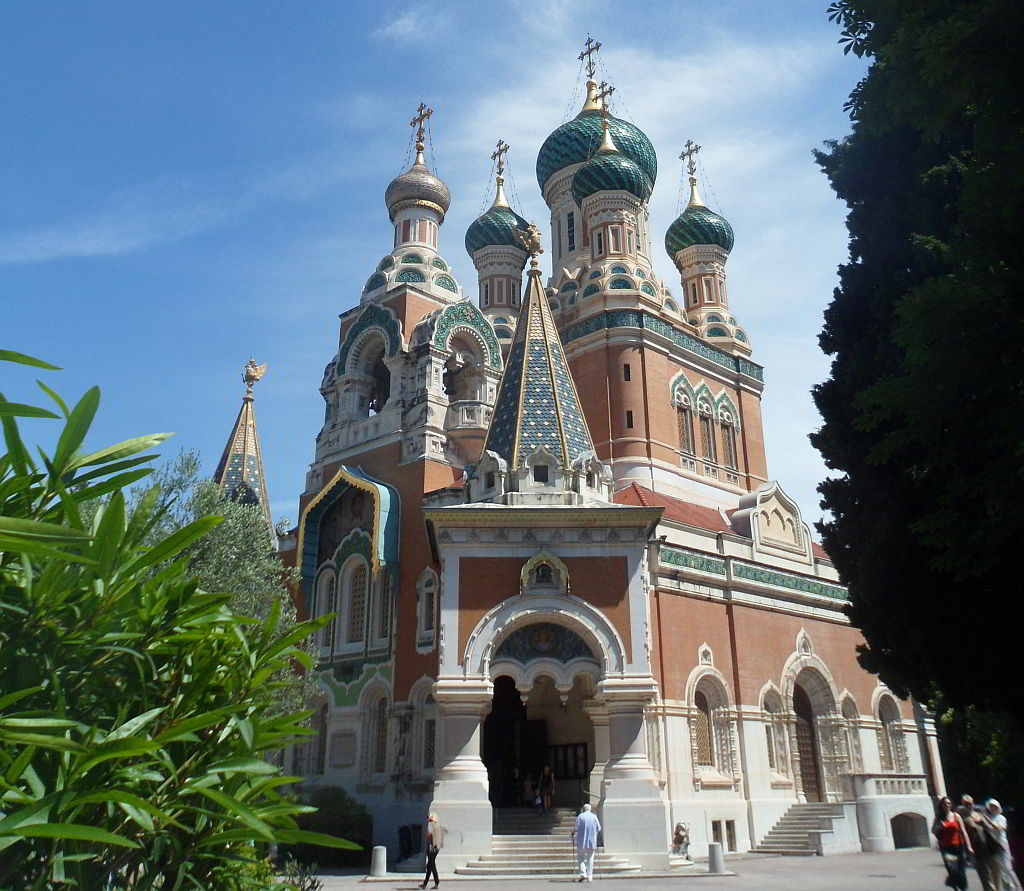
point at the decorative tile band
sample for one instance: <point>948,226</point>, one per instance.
<point>631,318</point>
<point>785,580</point>
<point>693,560</point>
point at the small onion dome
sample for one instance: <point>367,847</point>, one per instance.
<point>608,171</point>
<point>499,225</point>
<point>417,186</point>
<point>698,225</point>
<point>574,142</point>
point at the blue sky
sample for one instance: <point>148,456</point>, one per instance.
<point>184,185</point>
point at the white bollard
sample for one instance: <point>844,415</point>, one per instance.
<point>379,861</point>
<point>716,861</point>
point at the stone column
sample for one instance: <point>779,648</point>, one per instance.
<point>598,715</point>
<point>461,799</point>
<point>634,818</point>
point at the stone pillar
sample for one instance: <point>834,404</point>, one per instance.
<point>634,819</point>
<point>461,799</point>
<point>598,715</point>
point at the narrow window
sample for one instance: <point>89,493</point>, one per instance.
<point>629,240</point>
<point>384,614</point>
<point>558,240</point>
<point>729,445</point>
<point>540,473</point>
<point>702,731</point>
<point>487,293</point>
<point>330,606</point>
<point>769,733</point>
<point>629,420</point>
<point>599,242</point>
<point>489,479</point>
<point>429,742</point>
<point>380,743</point>
<point>590,480</point>
<point>625,372</point>
<point>730,835</point>
<point>707,439</point>
<point>571,226</point>
<point>357,604</point>
<point>707,291</point>
<point>693,293</point>
<point>500,290</point>
<point>405,230</point>
<point>685,429</point>
<point>615,239</point>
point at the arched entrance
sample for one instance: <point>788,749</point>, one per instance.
<point>807,745</point>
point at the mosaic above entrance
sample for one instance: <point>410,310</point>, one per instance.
<point>544,640</point>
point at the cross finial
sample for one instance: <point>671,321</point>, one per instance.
<point>499,155</point>
<point>422,113</point>
<point>689,156</point>
<point>604,93</point>
<point>591,47</point>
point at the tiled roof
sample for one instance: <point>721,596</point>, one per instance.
<point>675,508</point>
<point>239,474</point>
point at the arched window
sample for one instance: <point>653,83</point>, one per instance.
<point>775,733</point>
<point>685,420</point>
<point>544,576</point>
<point>358,581</point>
<point>728,441</point>
<point>380,736</point>
<point>711,731</point>
<point>707,434</point>
<point>704,752</point>
<point>850,728</point>
<point>891,748</point>
<point>426,608</point>
<point>328,598</point>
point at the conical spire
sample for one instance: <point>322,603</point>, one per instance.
<point>537,404</point>
<point>239,475</point>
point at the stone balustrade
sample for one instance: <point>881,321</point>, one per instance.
<point>877,785</point>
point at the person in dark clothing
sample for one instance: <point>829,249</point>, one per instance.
<point>547,789</point>
<point>435,841</point>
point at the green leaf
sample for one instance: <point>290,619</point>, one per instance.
<point>255,766</point>
<point>132,726</point>
<point>122,450</point>
<point>74,832</point>
<point>36,724</point>
<point>236,808</point>
<point>20,410</point>
<point>61,404</point>
<point>305,837</point>
<point>60,743</point>
<point>17,695</point>
<point>22,359</point>
<point>75,429</point>
<point>173,544</point>
<point>15,526</point>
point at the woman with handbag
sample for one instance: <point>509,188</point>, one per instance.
<point>435,841</point>
<point>954,844</point>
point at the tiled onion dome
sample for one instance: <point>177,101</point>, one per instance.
<point>698,225</point>
<point>497,226</point>
<point>608,171</point>
<point>417,184</point>
<point>576,140</point>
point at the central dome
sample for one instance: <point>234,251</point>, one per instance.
<point>576,141</point>
<point>610,170</point>
<point>417,185</point>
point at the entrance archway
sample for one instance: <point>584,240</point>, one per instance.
<point>807,745</point>
<point>529,730</point>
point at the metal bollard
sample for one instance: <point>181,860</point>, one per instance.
<point>379,861</point>
<point>716,861</point>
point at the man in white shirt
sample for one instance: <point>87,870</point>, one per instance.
<point>1003,874</point>
<point>587,828</point>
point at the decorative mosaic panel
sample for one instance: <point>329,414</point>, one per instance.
<point>647,289</point>
<point>386,263</point>
<point>595,274</point>
<point>543,640</point>
<point>412,258</point>
<point>410,275</point>
<point>629,318</point>
<point>466,314</point>
<point>591,289</point>
<point>785,580</point>
<point>439,263</point>
<point>356,542</point>
<point>372,316</point>
<point>568,286</point>
<point>377,280</point>
<point>639,273</point>
<point>740,336</point>
<point>501,435</point>
<point>620,284</point>
<point>446,282</point>
<point>692,560</point>
<point>717,332</point>
<point>619,270</point>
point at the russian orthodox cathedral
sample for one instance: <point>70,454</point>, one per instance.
<point>543,522</point>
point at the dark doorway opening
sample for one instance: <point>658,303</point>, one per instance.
<point>514,749</point>
<point>807,745</point>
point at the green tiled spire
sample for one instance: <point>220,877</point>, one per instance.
<point>239,474</point>
<point>537,402</point>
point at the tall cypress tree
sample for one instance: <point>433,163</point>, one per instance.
<point>924,408</point>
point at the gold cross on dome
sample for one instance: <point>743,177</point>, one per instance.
<point>689,155</point>
<point>592,47</point>
<point>604,94</point>
<point>422,113</point>
<point>499,155</point>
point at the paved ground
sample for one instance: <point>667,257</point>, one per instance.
<point>912,870</point>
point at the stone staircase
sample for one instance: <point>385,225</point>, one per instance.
<point>796,832</point>
<point>538,846</point>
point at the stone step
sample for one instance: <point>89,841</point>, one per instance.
<point>482,869</point>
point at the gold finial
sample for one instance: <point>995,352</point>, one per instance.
<point>590,48</point>
<point>499,192</point>
<point>418,121</point>
<point>530,240</point>
<point>689,155</point>
<point>251,374</point>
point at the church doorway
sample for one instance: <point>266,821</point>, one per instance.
<point>524,734</point>
<point>807,745</point>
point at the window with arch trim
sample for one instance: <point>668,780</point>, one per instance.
<point>426,608</point>
<point>328,603</point>
<point>684,416</point>
<point>708,447</point>
<point>711,727</point>
<point>891,744</point>
<point>775,733</point>
<point>704,751</point>
<point>728,441</point>
<point>358,585</point>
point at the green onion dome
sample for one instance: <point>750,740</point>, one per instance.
<point>610,170</point>
<point>576,140</point>
<point>698,225</point>
<point>499,225</point>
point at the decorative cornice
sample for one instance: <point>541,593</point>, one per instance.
<point>787,580</point>
<point>692,560</point>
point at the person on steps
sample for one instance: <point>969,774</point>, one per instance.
<point>585,836</point>
<point>547,789</point>
<point>435,841</point>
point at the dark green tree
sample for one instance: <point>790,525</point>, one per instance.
<point>924,408</point>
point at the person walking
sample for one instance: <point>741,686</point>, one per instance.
<point>984,863</point>
<point>954,843</point>
<point>1003,876</point>
<point>585,837</point>
<point>547,789</point>
<point>435,841</point>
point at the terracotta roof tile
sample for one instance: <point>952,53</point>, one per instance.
<point>675,508</point>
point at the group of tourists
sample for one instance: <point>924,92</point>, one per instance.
<point>978,834</point>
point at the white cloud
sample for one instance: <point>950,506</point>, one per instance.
<point>416,23</point>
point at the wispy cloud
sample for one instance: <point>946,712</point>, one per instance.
<point>417,22</point>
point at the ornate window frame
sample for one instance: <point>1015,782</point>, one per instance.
<point>428,601</point>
